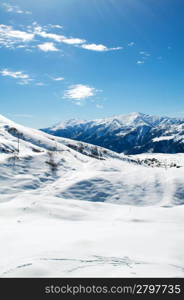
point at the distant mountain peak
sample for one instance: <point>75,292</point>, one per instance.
<point>133,118</point>
<point>132,133</point>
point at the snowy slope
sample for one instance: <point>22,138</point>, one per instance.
<point>132,134</point>
<point>72,209</point>
<point>44,237</point>
<point>16,138</point>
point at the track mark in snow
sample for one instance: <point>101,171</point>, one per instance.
<point>96,261</point>
<point>18,267</point>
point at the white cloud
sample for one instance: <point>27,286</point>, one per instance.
<point>41,31</point>
<point>73,41</point>
<point>140,62</point>
<point>100,47</point>
<point>24,78</point>
<point>13,38</point>
<point>56,26</point>
<point>20,35</point>
<point>58,78</point>
<point>10,37</point>
<point>79,92</point>
<point>131,44</point>
<point>94,47</point>
<point>144,53</point>
<point>57,37</point>
<point>15,9</point>
<point>18,74</point>
<point>46,47</point>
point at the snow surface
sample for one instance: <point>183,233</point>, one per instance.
<point>70,209</point>
<point>163,138</point>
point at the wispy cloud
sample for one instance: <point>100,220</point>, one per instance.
<point>144,57</point>
<point>15,9</point>
<point>40,31</point>
<point>79,92</point>
<point>131,44</point>
<point>140,62</point>
<point>36,36</point>
<point>58,78</point>
<point>99,48</point>
<point>46,47</point>
<point>10,37</point>
<point>72,41</point>
<point>144,53</point>
<point>20,75</point>
<point>55,26</point>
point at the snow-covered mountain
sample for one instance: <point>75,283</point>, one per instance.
<point>131,134</point>
<point>68,208</point>
<point>31,158</point>
<point>19,140</point>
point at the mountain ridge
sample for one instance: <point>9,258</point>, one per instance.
<point>134,133</point>
<point>122,117</point>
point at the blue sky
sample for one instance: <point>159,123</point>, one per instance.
<point>87,59</point>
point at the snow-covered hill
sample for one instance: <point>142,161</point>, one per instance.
<point>19,140</point>
<point>69,208</point>
<point>132,134</point>
<point>30,159</point>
